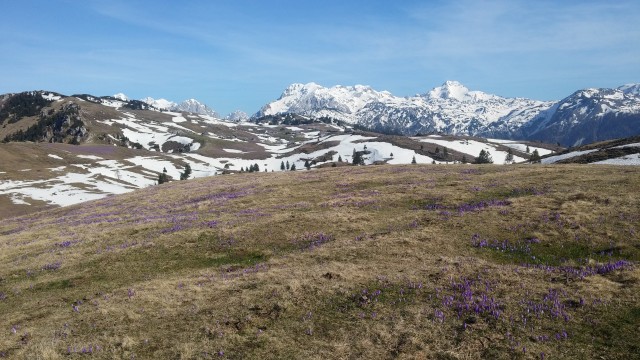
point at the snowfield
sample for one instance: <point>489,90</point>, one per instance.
<point>554,159</point>
<point>633,159</point>
<point>100,176</point>
<point>472,148</point>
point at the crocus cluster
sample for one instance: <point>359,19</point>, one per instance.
<point>584,271</point>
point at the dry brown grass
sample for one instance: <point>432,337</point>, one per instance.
<point>153,276</point>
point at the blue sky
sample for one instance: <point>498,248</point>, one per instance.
<point>241,54</point>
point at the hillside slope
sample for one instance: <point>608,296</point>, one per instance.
<point>410,261</point>
<point>60,150</point>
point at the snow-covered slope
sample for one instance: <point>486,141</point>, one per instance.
<point>588,116</point>
<point>160,104</point>
<point>632,89</point>
<point>196,107</point>
<point>121,96</point>
<point>237,116</point>
<point>625,151</point>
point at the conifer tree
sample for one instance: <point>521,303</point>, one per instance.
<point>484,158</point>
<point>535,157</point>
<point>293,167</point>
<point>339,158</point>
<point>163,177</point>
<point>187,172</point>
<point>413,161</point>
<point>357,158</point>
<point>288,166</point>
<point>307,165</point>
<point>509,158</point>
<point>282,166</point>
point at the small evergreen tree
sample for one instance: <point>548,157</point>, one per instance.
<point>535,157</point>
<point>358,159</point>
<point>256,167</point>
<point>241,169</point>
<point>413,161</point>
<point>187,172</point>
<point>307,165</point>
<point>288,166</point>
<point>163,177</point>
<point>391,155</point>
<point>528,149</point>
<point>484,158</point>
<point>293,167</point>
<point>339,158</point>
<point>433,162</point>
<point>282,167</point>
<point>509,158</point>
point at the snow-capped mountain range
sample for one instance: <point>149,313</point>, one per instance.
<point>190,105</point>
<point>454,109</point>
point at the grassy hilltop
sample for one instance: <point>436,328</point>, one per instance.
<point>415,261</point>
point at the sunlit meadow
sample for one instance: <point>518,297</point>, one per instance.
<point>414,261</point>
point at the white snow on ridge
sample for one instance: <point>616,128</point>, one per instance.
<point>51,97</point>
<point>121,96</point>
<point>234,151</point>
<point>472,148</point>
<point>633,159</point>
<point>90,157</point>
<point>523,148</point>
<point>55,157</point>
<point>556,158</point>
<point>148,134</point>
<point>627,146</point>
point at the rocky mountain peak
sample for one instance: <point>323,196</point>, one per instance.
<point>449,90</point>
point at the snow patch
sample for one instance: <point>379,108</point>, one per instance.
<point>90,157</point>
<point>556,158</point>
<point>633,159</point>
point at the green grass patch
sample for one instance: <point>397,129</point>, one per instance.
<point>556,254</point>
<point>612,335</point>
<point>55,285</point>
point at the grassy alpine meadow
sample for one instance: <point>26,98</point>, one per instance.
<point>415,261</point>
